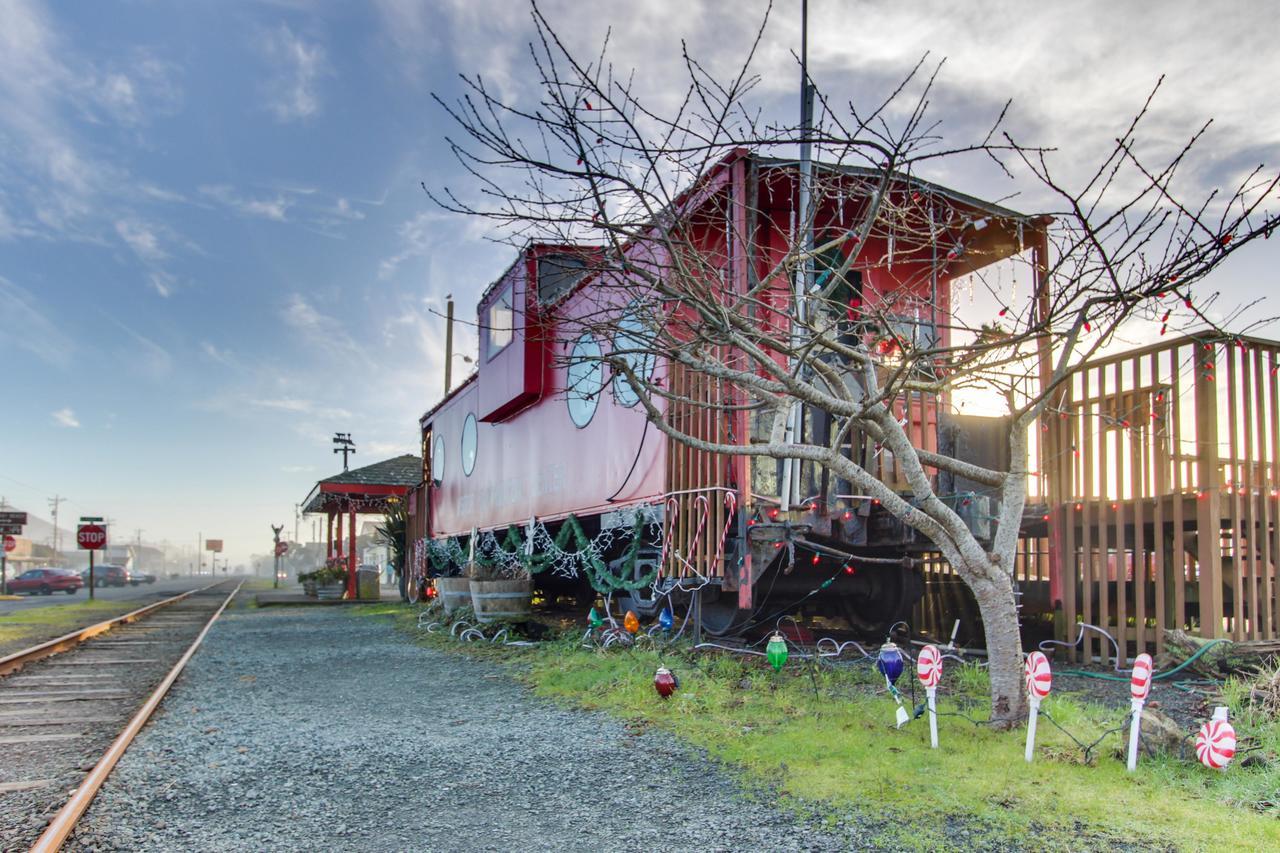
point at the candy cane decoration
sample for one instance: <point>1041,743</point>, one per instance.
<point>1216,742</point>
<point>697,534</point>
<point>929,671</point>
<point>730,504</point>
<point>672,513</point>
<point>1039,681</point>
<point>1139,689</point>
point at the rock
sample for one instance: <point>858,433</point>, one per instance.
<point>1161,735</point>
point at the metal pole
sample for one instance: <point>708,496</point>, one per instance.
<point>91,575</point>
<point>804,272</point>
<point>4,569</point>
<point>448,345</point>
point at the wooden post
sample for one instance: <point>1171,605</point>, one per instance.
<point>1208,491</point>
<point>351,554</point>
<point>328,543</point>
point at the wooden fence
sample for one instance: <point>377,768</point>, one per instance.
<point>1160,468</point>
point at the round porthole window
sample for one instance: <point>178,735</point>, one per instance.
<point>469,445</point>
<point>585,380</point>
<point>437,461</point>
<point>633,345</point>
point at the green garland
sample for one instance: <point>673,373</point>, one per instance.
<point>601,578</point>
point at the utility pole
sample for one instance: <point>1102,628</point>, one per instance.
<point>53,508</point>
<point>200,553</point>
<point>345,446</point>
<point>297,517</point>
<point>137,548</point>
<point>804,273</point>
<point>275,570</point>
<point>448,343</point>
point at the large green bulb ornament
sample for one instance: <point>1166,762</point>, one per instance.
<point>776,652</point>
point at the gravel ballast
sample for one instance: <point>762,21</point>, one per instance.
<point>322,730</point>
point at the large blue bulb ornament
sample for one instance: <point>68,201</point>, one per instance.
<point>665,619</point>
<point>889,662</point>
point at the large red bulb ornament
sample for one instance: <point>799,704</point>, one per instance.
<point>665,682</point>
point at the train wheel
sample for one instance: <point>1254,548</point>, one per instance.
<point>723,618</point>
<point>886,598</point>
<point>720,614</point>
<point>644,602</point>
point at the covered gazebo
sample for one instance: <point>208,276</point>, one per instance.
<point>369,490</point>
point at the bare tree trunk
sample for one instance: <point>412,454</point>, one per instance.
<point>1004,647</point>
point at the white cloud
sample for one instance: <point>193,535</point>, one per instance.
<point>291,91</point>
<point>149,358</point>
<point>275,209</point>
<point>321,331</point>
<point>66,418</point>
<point>161,282</point>
<point>141,239</point>
<point>297,469</point>
<point>221,356</point>
<point>27,328</point>
<point>417,236</point>
<point>388,448</point>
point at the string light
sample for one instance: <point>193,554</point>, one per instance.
<point>665,682</point>
<point>776,652</point>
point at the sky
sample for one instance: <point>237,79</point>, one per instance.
<point>215,250</point>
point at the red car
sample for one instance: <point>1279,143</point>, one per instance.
<point>46,581</point>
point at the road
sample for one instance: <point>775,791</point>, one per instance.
<point>142,594</point>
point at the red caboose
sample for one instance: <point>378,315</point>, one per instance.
<point>542,434</point>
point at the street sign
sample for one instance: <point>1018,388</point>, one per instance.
<point>91,537</point>
<point>214,545</point>
<point>9,544</point>
<point>10,529</point>
<point>10,517</point>
<point>282,548</point>
<point>91,519</point>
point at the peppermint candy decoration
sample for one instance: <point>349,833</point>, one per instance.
<point>1140,681</point>
<point>929,666</point>
<point>1216,744</point>
<point>1039,677</point>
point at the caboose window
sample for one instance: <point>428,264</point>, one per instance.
<point>557,274</point>
<point>634,347</point>
<point>584,380</point>
<point>497,323</point>
<point>437,461</point>
<point>469,438</point>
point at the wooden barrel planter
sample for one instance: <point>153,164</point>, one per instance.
<point>454,593</point>
<point>330,591</point>
<point>500,600</point>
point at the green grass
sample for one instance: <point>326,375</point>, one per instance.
<point>823,741</point>
<point>27,627</point>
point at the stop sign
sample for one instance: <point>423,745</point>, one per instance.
<point>282,548</point>
<point>91,537</point>
<point>9,544</point>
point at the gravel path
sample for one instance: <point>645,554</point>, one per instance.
<point>319,730</point>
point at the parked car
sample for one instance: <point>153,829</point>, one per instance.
<point>136,578</point>
<point>107,575</point>
<point>46,582</point>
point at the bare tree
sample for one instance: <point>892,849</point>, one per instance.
<point>824,325</point>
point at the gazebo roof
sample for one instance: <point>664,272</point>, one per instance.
<point>366,488</point>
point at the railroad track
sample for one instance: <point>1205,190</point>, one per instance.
<point>72,706</point>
